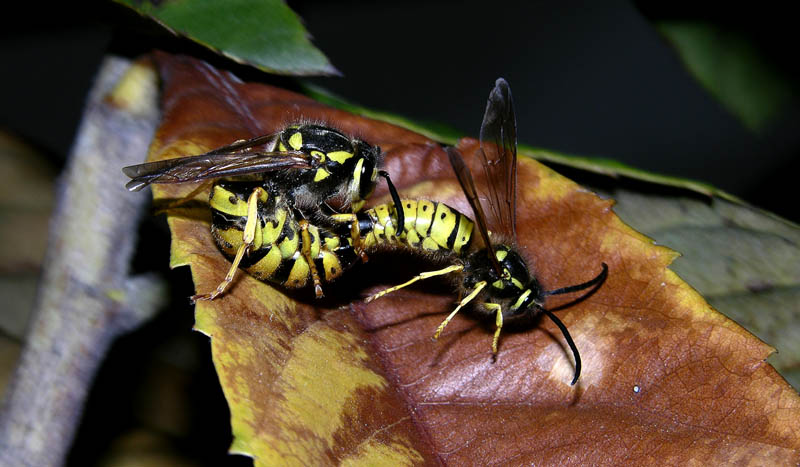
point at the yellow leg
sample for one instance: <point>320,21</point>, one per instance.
<point>424,275</point>
<point>358,243</point>
<point>498,321</point>
<point>343,218</point>
<point>306,237</point>
<point>247,241</point>
<point>355,233</point>
<point>202,187</point>
<point>478,287</point>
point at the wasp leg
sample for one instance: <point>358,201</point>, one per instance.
<point>424,275</point>
<point>248,238</point>
<point>478,287</point>
<point>344,218</point>
<point>358,242</point>
<point>306,251</point>
<point>498,322</point>
<point>355,233</point>
<point>200,188</point>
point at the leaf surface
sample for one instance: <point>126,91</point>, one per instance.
<point>745,262</point>
<point>264,33</point>
<point>666,378</point>
<point>732,70</point>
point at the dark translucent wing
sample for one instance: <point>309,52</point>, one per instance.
<point>499,152</point>
<point>245,144</point>
<point>239,158</point>
<point>468,185</point>
<point>204,167</point>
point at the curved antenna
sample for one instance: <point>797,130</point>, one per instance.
<point>574,288</point>
<point>468,186</point>
<point>498,140</point>
<point>398,206</point>
<point>570,342</point>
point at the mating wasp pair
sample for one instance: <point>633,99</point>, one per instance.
<point>271,217</point>
<point>270,193</point>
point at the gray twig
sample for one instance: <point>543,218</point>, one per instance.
<point>85,298</point>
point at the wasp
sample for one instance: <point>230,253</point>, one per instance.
<point>496,280</point>
<point>293,180</point>
<point>272,242</point>
<point>254,226</point>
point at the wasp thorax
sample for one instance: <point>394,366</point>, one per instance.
<point>515,287</point>
<point>343,169</point>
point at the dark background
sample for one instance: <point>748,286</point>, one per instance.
<point>589,78</point>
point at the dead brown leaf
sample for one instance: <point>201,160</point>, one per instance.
<point>666,378</point>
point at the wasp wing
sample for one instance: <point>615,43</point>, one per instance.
<point>204,167</point>
<point>468,186</point>
<point>239,158</point>
<point>498,140</point>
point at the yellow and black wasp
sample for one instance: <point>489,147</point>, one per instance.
<point>269,195</point>
<point>496,279</point>
<point>288,250</point>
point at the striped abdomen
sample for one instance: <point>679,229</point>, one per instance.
<point>430,226</point>
<point>276,255</point>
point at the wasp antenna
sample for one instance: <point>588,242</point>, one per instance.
<point>570,342</point>
<point>398,206</point>
<point>574,288</point>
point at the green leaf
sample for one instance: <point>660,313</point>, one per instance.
<point>264,33</point>
<point>745,262</point>
<point>731,69</point>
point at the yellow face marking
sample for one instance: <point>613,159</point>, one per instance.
<point>372,178</point>
<point>521,299</point>
<point>499,284</point>
<point>339,156</point>
<point>321,174</point>
<point>282,147</point>
<point>356,183</point>
<point>516,282</point>
<point>500,255</point>
<point>296,141</point>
